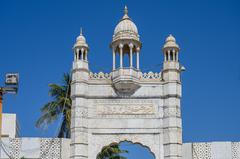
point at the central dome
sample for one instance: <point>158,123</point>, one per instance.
<point>126,25</point>
<point>126,29</point>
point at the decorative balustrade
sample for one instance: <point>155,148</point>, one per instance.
<point>144,76</point>
<point>150,75</point>
<point>100,75</point>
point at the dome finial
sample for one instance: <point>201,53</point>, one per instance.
<point>170,38</point>
<point>125,10</point>
<point>81,31</point>
<point>125,13</point>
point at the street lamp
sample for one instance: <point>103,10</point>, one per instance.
<point>11,86</point>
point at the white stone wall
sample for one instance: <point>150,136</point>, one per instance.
<point>211,150</point>
<point>35,148</point>
<point>10,127</point>
<point>50,148</point>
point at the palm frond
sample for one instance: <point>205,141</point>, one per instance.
<point>60,105</point>
<point>111,151</point>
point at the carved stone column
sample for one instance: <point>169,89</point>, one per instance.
<point>121,55</point>
<point>82,52</point>
<point>114,59</point>
<point>131,54</point>
<point>138,49</point>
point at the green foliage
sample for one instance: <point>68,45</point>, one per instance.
<point>59,106</point>
<point>111,151</point>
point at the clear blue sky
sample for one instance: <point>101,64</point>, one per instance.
<point>36,38</point>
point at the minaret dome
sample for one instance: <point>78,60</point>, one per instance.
<point>170,49</point>
<point>125,29</point>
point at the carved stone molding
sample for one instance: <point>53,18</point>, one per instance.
<point>125,107</point>
<point>122,109</point>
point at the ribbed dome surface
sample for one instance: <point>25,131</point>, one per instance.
<point>125,25</point>
<point>170,42</point>
<point>81,41</point>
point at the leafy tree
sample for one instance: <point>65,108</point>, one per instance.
<point>60,106</point>
<point>111,151</point>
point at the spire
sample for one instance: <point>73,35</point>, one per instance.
<point>125,13</point>
<point>81,30</point>
<point>125,10</point>
<point>81,37</point>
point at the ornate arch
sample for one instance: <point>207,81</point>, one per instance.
<point>150,141</point>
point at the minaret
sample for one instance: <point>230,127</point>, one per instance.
<point>79,111</point>
<point>171,66</point>
<point>172,123</point>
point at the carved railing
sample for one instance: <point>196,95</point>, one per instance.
<point>100,75</point>
<point>144,76</point>
<point>150,75</point>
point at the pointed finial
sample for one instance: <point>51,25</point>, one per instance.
<point>81,31</point>
<point>125,16</point>
<point>170,38</point>
<point>125,10</point>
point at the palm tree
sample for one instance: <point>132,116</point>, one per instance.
<point>60,106</point>
<point>111,151</point>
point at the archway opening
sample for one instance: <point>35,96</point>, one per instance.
<point>127,150</point>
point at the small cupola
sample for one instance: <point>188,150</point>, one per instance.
<point>81,48</point>
<point>170,49</point>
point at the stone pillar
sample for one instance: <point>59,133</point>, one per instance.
<point>174,57</point>
<point>168,53</point>
<point>114,59</point>
<point>165,56</point>
<point>75,56</point>
<point>82,52</point>
<point>86,55</point>
<point>77,51</point>
<point>121,55</point>
<point>138,50</point>
<point>131,55</point>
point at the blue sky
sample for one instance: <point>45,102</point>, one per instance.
<point>36,39</point>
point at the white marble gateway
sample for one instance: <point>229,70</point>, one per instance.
<point>126,104</point>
